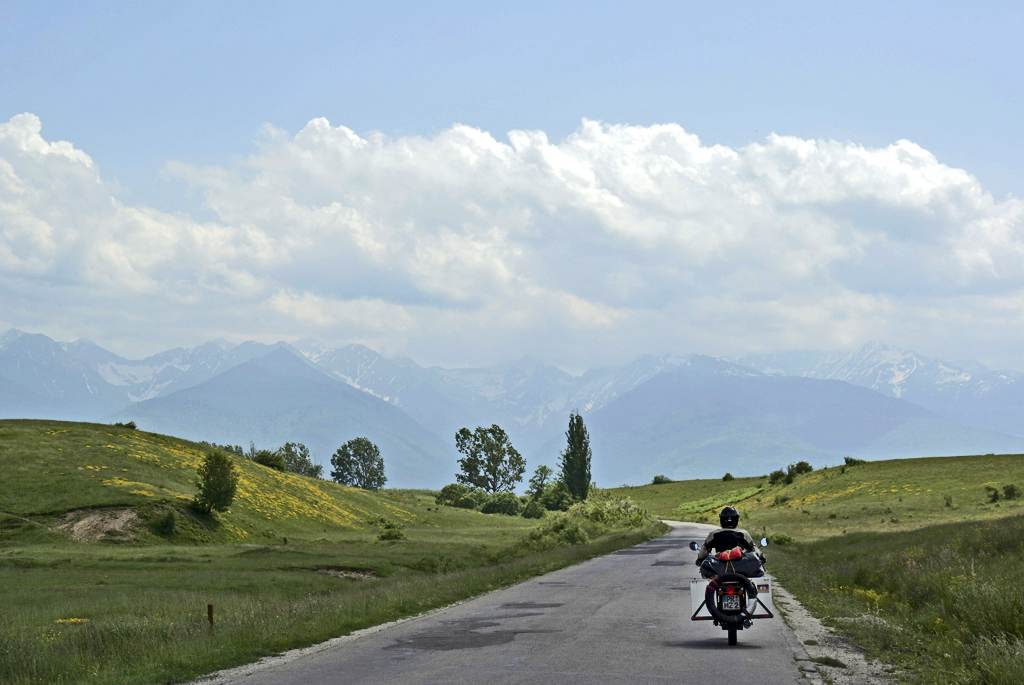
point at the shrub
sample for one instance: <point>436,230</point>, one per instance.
<point>556,497</point>
<point>799,468</point>
<point>217,482</point>
<point>1011,491</point>
<point>450,494</point>
<point>728,476</point>
<point>270,459</point>
<point>166,525</point>
<point>949,500</point>
<point>467,501</point>
<point>850,461</point>
<point>129,425</point>
<point>533,510</point>
<point>391,530</point>
<point>560,529</point>
<point>438,564</point>
<point>992,493</point>
<point>612,511</point>
<point>502,503</point>
<point>661,480</point>
<point>777,477</point>
<point>780,500</point>
<point>781,539</point>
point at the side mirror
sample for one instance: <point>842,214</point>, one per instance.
<point>694,546</point>
<point>764,542</point>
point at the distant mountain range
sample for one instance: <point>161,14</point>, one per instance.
<point>962,391</point>
<point>683,416</point>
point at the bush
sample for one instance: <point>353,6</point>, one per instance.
<point>799,468</point>
<point>217,482</point>
<point>777,477</point>
<point>850,461</point>
<point>533,510</point>
<point>992,493</point>
<point>556,497</point>
<point>129,425</point>
<point>502,503</point>
<point>560,529</point>
<point>467,501</point>
<point>781,539</point>
<point>166,525</point>
<point>612,511</point>
<point>272,460</point>
<point>661,480</point>
<point>451,494</point>
<point>728,477</point>
<point>1011,492</point>
<point>391,530</point>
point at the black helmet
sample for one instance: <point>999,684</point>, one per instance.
<point>729,517</point>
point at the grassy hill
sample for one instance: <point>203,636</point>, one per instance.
<point>889,495</point>
<point>94,591</point>
<point>53,469</point>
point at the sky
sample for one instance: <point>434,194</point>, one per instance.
<point>465,183</point>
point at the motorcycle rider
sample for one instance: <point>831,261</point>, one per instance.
<point>728,536</point>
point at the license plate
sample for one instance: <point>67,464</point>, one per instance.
<point>731,603</point>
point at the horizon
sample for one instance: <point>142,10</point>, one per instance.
<point>295,344</point>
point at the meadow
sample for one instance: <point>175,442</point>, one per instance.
<point>910,557</point>
<point>293,562</point>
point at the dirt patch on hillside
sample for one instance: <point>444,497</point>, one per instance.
<point>345,572</point>
<point>104,524</point>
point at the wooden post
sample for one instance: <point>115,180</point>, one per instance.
<point>209,614</point>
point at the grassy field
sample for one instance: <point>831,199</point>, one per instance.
<point>891,495</point>
<point>908,556</point>
<point>295,561</point>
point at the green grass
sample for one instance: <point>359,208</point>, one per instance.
<point>891,495</point>
<point>142,597</point>
<point>944,604</point>
<point>669,500</point>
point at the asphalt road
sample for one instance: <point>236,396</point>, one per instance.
<point>620,618</point>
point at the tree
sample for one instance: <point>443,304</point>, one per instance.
<point>491,462</point>
<point>217,482</point>
<point>539,481</point>
<point>296,459</point>
<point>270,459</point>
<point>358,463</point>
<point>575,462</point>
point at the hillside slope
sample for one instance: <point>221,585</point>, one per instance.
<point>887,495</point>
<point>50,468</point>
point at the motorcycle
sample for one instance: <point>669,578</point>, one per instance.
<point>731,600</point>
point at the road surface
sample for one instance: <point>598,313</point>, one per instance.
<point>620,618</point>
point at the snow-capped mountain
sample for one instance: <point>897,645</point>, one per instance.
<point>674,414</point>
<point>532,400</point>
<point>964,391</point>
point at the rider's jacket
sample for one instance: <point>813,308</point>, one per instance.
<point>725,539</point>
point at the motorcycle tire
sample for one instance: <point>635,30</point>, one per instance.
<point>712,605</point>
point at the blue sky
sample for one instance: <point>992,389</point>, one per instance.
<point>187,110</point>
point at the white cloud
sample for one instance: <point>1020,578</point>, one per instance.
<point>462,248</point>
